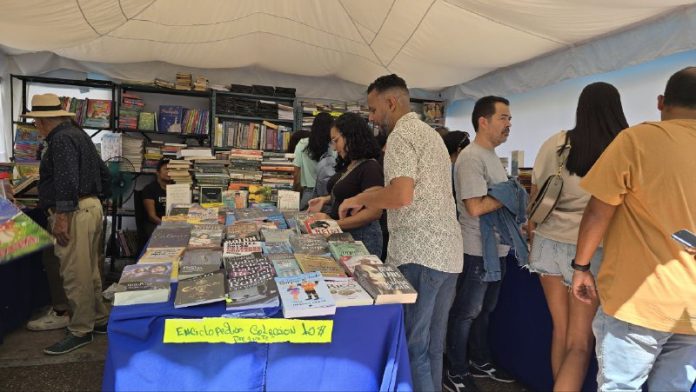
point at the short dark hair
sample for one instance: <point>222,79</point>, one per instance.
<point>681,89</point>
<point>485,107</point>
<point>386,82</point>
<point>455,140</point>
<point>161,163</point>
<point>361,143</point>
<point>320,136</point>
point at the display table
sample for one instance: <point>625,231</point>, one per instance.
<point>368,352</point>
<point>520,331</point>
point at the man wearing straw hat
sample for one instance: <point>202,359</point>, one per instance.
<point>72,178</point>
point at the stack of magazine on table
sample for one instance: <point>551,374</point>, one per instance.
<point>259,258</point>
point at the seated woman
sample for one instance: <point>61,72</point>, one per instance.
<point>357,170</point>
<point>155,198</point>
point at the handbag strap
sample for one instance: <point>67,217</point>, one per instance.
<point>563,156</point>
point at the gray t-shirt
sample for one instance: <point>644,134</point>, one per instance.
<point>476,169</point>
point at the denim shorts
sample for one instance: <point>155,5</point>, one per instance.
<point>549,257</point>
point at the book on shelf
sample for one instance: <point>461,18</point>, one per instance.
<point>98,113</point>
<point>169,118</point>
<point>210,196</point>
<point>251,282</point>
<point>19,234</point>
<point>143,284</point>
<point>305,295</point>
<point>385,284</point>
<point>347,292</point>
<point>147,121</point>
<point>199,290</point>
<point>324,264</point>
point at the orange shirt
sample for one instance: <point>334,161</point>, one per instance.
<point>649,172</point>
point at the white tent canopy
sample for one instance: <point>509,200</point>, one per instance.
<point>433,44</point>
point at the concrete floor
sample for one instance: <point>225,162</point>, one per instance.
<point>24,366</point>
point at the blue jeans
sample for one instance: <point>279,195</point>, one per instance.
<point>370,235</point>
<point>467,334</point>
<point>426,322</point>
<point>629,355</point>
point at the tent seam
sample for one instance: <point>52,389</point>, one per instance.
<point>413,32</point>
<point>246,16</point>
<point>79,7</point>
<point>243,35</point>
<point>120,6</point>
<point>538,35</point>
<point>361,36</point>
<point>379,30</point>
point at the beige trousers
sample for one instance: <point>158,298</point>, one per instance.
<point>79,267</point>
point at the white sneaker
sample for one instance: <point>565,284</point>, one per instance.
<point>50,320</point>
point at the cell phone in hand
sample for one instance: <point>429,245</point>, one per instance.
<point>685,237</point>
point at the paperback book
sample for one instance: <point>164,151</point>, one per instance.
<point>19,234</point>
<point>276,247</point>
<point>311,244</point>
<point>324,264</point>
<point>200,290</point>
<point>232,249</point>
<point>206,236</point>
<point>385,284</point>
<point>143,284</point>
<point>285,264</point>
<point>341,250</point>
<point>170,237</point>
<point>347,292</point>
<point>161,255</point>
<point>197,262</point>
<point>251,282</point>
<point>325,227</point>
<point>350,263</point>
<point>305,295</point>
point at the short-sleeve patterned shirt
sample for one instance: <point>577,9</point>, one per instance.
<point>425,232</point>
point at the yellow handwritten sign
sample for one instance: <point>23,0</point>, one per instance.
<point>227,330</point>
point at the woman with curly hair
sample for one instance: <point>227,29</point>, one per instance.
<point>357,170</point>
<point>308,153</point>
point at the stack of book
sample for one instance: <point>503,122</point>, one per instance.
<point>285,112</point>
<point>278,170</point>
<point>201,83</point>
<point>132,149</point>
<point>183,81</point>
<point>27,143</point>
<point>152,156</point>
<point>171,150</point>
<point>129,111</point>
<point>179,171</point>
<point>163,83</point>
<point>143,284</point>
<point>211,172</point>
<point>245,168</point>
<point>195,121</point>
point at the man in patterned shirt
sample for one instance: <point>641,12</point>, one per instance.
<point>72,178</point>
<point>425,241</point>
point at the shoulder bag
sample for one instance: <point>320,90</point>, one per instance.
<point>547,197</point>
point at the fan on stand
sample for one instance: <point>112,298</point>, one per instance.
<point>122,185</point>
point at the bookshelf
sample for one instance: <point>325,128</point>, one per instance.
<point>418,106</point>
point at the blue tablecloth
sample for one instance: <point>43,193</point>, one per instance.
<point>520,331</point>
<point>368,352</point>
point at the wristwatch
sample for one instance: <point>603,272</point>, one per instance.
<point>581,268</point>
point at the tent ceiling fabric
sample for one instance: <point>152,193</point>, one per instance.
<point>433,44</point>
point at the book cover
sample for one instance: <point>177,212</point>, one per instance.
<point>278,235</point>
<point>288,200</point>
<point>231,249</point>
<point>251,282</point>
<point>305,295</point>
<point>170,237</point>
<point>98,113</point>
<point>347,292</point>
<point>210,196</point>
<point>248,231</point>
<point>161,255</point>
<point>313,244</point>
<point>338,237</point>
<point>385,284</point>
<point>324,264</point>
<point>199,261</point>
<point>206,236</point>
<point>143,283</point>
<point>235,198</point>
<point>200,290</point>
<point>19,234</point>
<point>351,262</point>
<point>285,264</point>
<point>341,250</point>
<point>169,118</point>
<point>324,227</point>
<point>276,247</point>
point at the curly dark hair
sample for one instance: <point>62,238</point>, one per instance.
<point>361,143</point>
<point>320,136</point>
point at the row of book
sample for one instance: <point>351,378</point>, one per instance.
<point>307,266</point>
<point>90,113</point>
<point>180,120</point>
<point>310,109</point>
<point>250,135</point>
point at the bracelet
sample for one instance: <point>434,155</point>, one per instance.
<point>581,268</point>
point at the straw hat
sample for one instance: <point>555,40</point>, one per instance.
<point>46,105</point>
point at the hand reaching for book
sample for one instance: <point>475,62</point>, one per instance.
<point>316,204</point>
